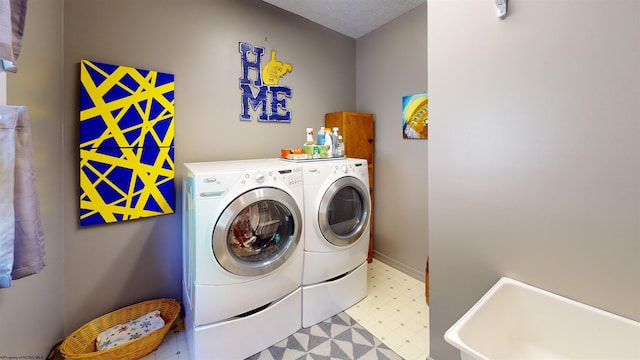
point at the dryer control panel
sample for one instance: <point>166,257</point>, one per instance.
<point>353,168</point>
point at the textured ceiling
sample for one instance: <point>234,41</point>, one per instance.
<point>353,18</point>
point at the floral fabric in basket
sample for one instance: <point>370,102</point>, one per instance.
<point>129,331</point>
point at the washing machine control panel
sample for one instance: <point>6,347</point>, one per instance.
<point>291,177</point>
<point>259,177</point>
<point>219,185</point>
<point>254,178</point>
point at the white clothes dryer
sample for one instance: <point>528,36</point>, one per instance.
<point>242,256</point>
<point>337,208</point>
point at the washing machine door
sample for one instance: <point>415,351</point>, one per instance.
<point>344,211</point>
<point>257,232</point>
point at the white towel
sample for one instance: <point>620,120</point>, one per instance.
<point>21,235</point>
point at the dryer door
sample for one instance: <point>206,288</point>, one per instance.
<point>344,211</point>
<point>257,232</point>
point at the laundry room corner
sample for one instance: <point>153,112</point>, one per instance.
<point>207,122</point>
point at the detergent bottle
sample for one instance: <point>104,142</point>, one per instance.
<point>321,135</point>
<point>334,140</point>
<point>340,146</point>
<point>328,143</point>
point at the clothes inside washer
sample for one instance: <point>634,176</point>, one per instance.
<point>257,231</point>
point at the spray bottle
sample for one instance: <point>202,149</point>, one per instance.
<point>309,137</point>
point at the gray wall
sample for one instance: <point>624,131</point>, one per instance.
<point>534,158</point>
<point>31,309</point>
<point>197,40</point>
<point>391,62</point>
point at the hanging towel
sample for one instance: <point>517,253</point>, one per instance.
<point>7,214</point>
<point>12,19</point>
<point>21,235</point>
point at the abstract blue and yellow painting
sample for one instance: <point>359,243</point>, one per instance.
<point>415,116</point>
<point>127,168</point>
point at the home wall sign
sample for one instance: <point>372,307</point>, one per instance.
<point>415,116</point>
<point>261,92</point>
<point>127,165</point>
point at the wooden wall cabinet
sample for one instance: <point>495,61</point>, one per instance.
<point>357,134</point>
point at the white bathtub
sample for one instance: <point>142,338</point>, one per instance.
<point>514,320</point>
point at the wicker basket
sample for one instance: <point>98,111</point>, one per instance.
<point>81,344</point>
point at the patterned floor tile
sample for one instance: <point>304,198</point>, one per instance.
<point>337,338</point>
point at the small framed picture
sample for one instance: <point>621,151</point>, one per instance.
<point>415,116</point>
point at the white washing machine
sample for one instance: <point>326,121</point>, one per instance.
<point>242,256</point>
<point>337,208</point>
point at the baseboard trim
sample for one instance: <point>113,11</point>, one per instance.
<point>417,274</point>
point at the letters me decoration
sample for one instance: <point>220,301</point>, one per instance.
<point>262,94</point>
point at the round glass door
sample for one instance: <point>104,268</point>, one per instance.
<point>257,232</point>
<point>344,211</point>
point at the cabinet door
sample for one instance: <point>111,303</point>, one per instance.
<point>358,128</point>
<point>357,133</point>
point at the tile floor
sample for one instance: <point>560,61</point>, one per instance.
<point>395,311</point>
